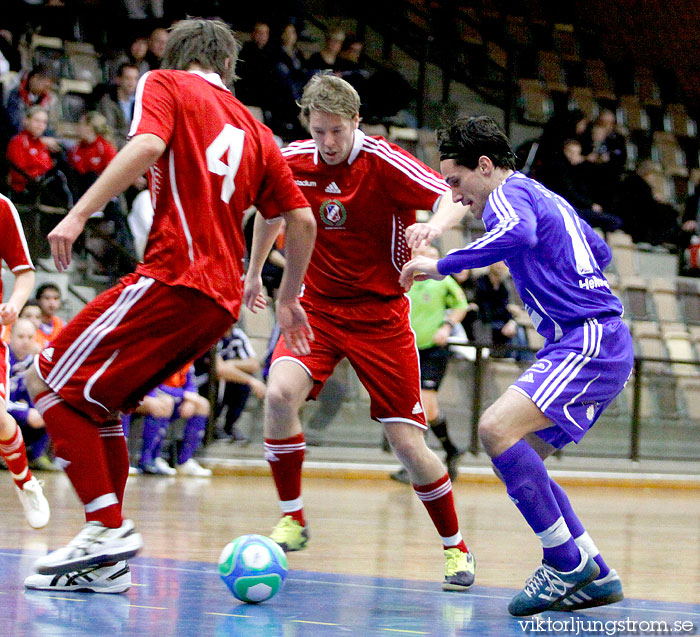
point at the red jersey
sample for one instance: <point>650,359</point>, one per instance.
<point>13,245</point>
<point>364,205</point>
<point>218,162</point>
<point>29,154</point>
<point>92,157</point>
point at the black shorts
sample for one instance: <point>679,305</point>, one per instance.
<point>433,365</point>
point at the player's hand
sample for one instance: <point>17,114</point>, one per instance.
<point>443,333</point>
<point>8,313</point>
<point>253,295</point>
<point>258,388</point>
<point>419,269</point>
<point>422,234</point>
<point>294,326</point>
<point>62,238</point>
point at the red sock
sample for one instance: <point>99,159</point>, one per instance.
<point>286,457</point>
<point>117,455</point>
<point>14,453</point>
<point>439,501</point>
<point>79,449</point>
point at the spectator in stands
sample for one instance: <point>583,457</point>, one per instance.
<point>20,405</point>
<point>35,88</point>
<point>32,312</point>
<point>497,314</point>
<point>348,63</point>
<point>559,128</point>
<point>34,173</point>
<point>327,57</point>
<point>156,47</point>
<point>236,366</point>
<point>570,179</point>
<point>292,76</point>
<point>136,55</point>
<point>194,409</point>
<point>10,59</point>
<point>154,405</point>
<point>689,243</point>
<point>108,240</point>
<point>348,60</point>
<point>48,297</point>
<point>117,105</point>
<point>258,64</point>
<point>93,152</point>
<point>645,209</point>
<point>605,149</point>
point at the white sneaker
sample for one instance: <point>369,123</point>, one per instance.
<point>92,579</point>
<point>163,467</point>
<point>94,545</point>
<point>36,506</point>
<point>133,471</point>
<point>193,468</point>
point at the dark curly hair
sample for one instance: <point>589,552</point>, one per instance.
<point>467,139</point>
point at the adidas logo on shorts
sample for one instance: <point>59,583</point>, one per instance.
<point>417,409</point>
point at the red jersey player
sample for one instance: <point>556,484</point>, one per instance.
<point>365,192</point>
<point>13,250</point>
<point>208,160</point>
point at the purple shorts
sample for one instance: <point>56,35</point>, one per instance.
<point>577,377</point>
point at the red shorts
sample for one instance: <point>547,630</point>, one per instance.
<point>128,340</point>
<point>377,339</point>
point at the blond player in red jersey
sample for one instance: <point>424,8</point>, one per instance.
<point>14,252</point>
<point>365,192</point>
<point>207,160</point>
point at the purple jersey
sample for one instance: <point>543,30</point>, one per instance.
<point>555,258</point>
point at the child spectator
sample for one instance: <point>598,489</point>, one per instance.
<point>194,409</point>
<point>48,297</point>
<point>20,406</point>
<point>90,156</point>
<point>33,173</point>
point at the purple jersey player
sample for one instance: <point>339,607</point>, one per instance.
<point>556,261</point>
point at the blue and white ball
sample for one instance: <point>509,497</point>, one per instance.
<point>253,567</point>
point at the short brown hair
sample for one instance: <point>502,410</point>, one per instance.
<point>208,43</point>
<point>330,94</point>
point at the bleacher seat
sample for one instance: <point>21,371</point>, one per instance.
<point>581,97</point>
<point>599,80</point>
<point>635,298</point>
<point>677,121</point>
<point>535,102</point>
<point>663,293</point>
<point>631,114</point>
<point>667,151</point>
<point>566,43</point>
<point>48,52</point>
<point>551,71</point>
<point>84,63</point>
<point>646,87</point>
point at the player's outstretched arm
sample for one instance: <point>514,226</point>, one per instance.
<point>447,215</point>
<point>299,244</point>
<point>264,235</point>
<point>131,162</point>
<point>419,269</point>
<point>24,284</point>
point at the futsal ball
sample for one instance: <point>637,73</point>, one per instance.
<point>253,567</point>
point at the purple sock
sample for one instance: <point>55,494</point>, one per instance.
<point>153,433</point>
<point>39,447</point>
<point>527,483</point>
<point>576,528</point>
<point>192,436</point>
<point>126,425</point>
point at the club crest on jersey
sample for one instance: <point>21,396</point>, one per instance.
<point>332,213</point>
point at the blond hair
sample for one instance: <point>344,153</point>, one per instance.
<point>328,93</point>
<point>98,122</point>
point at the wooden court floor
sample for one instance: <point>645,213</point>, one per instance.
<point>375,528</point>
